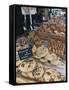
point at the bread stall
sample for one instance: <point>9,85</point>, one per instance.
<point>41,53</point>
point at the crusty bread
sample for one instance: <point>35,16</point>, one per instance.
<point>57,47</point>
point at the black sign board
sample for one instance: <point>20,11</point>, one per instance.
<point>25,53</point>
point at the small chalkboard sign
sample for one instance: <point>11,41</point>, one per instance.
<point>25,53</point>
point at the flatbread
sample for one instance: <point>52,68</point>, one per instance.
<point>41,51</point>
<point>27,66</point>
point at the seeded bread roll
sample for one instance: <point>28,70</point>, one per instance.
<point>37,41</point>
<point>41,51</point>
<point>52,75</point>
<point>52,58</point>
<point>37,72</point>
<point>27,66</point>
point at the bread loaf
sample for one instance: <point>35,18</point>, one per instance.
<point>56,46</point>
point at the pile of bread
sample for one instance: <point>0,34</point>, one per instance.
<point>36,72</point>
<point>44,55</point>
<point>55,25</point>
<point>56,46</point>
<point>54,32</point>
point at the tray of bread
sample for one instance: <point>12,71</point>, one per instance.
<point>34,70</point>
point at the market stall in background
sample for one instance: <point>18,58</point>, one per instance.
<point>40,44</point>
